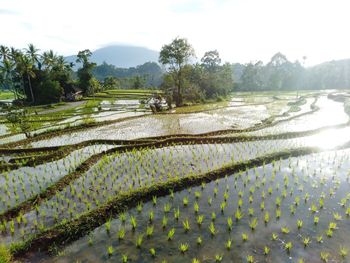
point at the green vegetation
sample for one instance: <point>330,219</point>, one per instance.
<point>5,255</point>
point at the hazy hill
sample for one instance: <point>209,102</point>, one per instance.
<point>121,56</point>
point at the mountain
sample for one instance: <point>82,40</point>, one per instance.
<point>121,56</point>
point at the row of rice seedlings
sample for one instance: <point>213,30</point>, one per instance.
<point>243,210</point>
<point>18,185</point>
<point>135,169</point>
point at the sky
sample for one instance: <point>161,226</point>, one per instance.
<point>241,30</point>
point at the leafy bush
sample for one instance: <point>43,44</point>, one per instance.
<point>49,91</point>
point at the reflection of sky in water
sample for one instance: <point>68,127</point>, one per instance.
<point>330,138</point>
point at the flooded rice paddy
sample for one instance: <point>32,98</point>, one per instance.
<point>261,178</point>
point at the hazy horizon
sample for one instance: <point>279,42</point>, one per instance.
<point>242,31</point>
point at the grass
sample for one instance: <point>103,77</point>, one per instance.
<point>6,95</point>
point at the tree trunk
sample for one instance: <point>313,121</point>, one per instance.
<point>179,101</point>
<point>30,88</point>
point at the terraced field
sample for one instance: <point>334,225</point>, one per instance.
<point>260,178</point>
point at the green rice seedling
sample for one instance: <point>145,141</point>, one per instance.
<point>164,222</point>
<point>229,223</point>
<point>316,220</point>
<point>139,207</point>
<point>228,244</point>
<point>108,225</point>
<point>332,225</point>
<point>266,217</point>
<point>306,241</point>
<point>152,251</point>
<point>177,213</point>
<point>185,201</point>
<point>213,216</point>
<point>139,240</point>
<point>133,222</point>
<point>278,213</point>
<point>171,234</point>
<point>222,206</point>
<point>306,197</point>
<point>122,217</point>
<point>245,237</point>
<point>121,233</point>
<point>238,214</point>
<point>299,223</point>
<point>151,216</point>
<point>125,258</point>
<point>288,246</point>
<point>240,203</point>
<point>347,212</point>
<point>154,200</point>
<point>167,208</point>
<point>186,225</point>
<point>337,216</point>
<point>199,241</point>
<point>343,202</point>
<point>269,190</point>
<point>324,256</point>
<point>149,231</point>
<point>274,236</point>
<point>319,239</point>
<point>251,211</point>
<point>250,259</point>
<point>262,206</point>
<point>183,247</point>
<point>212,229</point>
<point>110,251</point>
<point>292,209</point>
<point>329,232</point>
<point>321,203</point>
<point>253,224</point>
<point>210,200</point>
<point>196,207</point>
<point>215,191</point>
<point>343,252</point>
<point>195,260</point>
<point>218,258</point>
<point>278,201</point>
<point>197,194</point>
<point>266,250</point>
<point>285,230</point>
<point>200,220</point>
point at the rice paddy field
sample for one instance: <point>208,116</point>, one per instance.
<point>261,177</point>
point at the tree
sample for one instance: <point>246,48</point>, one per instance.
<point>110,83</point>
<point>32,52</point>
<point>4,53</point>
<point>6,70</point>
<point>211,60</point>
<point>26,68</point>
<point>49,91</point>
<point>175,56</point>
<point>85,72</point>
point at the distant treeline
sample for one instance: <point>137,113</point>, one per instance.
<point>148,74</point>
<point>281,74</point>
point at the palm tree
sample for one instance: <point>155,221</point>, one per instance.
<point>32,52</point>
<point>24,68</point>
<point>6,70</point>
<point>49,59</point>
<point>4,53</point>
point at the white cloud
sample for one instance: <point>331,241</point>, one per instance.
<point>242,30</point>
